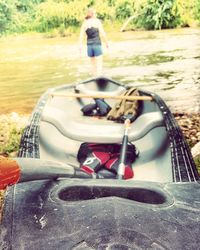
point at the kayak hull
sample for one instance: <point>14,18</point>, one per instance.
<point>157,209</point>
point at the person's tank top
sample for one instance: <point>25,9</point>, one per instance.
<point>93,36</point>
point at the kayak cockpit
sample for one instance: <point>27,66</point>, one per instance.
<point>63,128</point>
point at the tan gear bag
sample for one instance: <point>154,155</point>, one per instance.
<point>125,108</point>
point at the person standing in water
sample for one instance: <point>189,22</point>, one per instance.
<point>93,28</point>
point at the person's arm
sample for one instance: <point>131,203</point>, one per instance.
<point>103,34</point>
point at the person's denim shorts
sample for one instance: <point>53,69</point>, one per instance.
<point>94,50</point>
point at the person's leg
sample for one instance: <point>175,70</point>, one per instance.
<point>99,65</point>
<point>98,59</point>
<point>90,51</point>
<point>93,66</point>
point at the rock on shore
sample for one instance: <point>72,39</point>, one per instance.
<point>196,150</point>
<point>190,126</point>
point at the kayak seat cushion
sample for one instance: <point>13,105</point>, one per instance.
<point>75,126</point>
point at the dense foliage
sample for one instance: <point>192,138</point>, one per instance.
<point>159,14</point>
<point>46,15</point>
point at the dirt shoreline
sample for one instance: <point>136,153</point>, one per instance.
<point>190,126</point>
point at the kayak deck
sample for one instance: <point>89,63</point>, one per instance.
<point>103,214</point>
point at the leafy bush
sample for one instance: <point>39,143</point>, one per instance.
<point>197,163</point>
<point>197,10</point>
<point>187,11</point>
<point>7,15</point>
<point>13,142</point>
<point>104,11</point>
<point>158,14</point>
<point>124,9</point>
<point>51,14</point>
<point>11,128</point>
<point>46,15</point>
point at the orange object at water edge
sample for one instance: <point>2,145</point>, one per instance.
<point>9,172</point>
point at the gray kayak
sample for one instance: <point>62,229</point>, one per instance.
<point>58,206</point>
<point>57,129</point>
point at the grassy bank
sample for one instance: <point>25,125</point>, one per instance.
<point>11,128</point>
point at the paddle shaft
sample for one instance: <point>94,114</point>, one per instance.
<point>120,97</point>
<point>16,170</point>
<point>123,153</point>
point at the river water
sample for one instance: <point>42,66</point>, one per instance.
<point>166,62</point>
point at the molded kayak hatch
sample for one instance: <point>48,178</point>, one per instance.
<point>143,195</point>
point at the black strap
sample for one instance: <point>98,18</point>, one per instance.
<point>99,108</point>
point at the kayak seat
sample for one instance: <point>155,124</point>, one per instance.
<point>74,125</point>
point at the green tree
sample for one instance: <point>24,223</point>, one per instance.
<point>46,15</point>
<point>124,9</point>
<point>158,14</point>
<point>197,10</point>
<point>7,12</point>
<point>188,11</point>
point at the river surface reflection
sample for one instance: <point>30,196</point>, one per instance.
<point>166,62</point>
